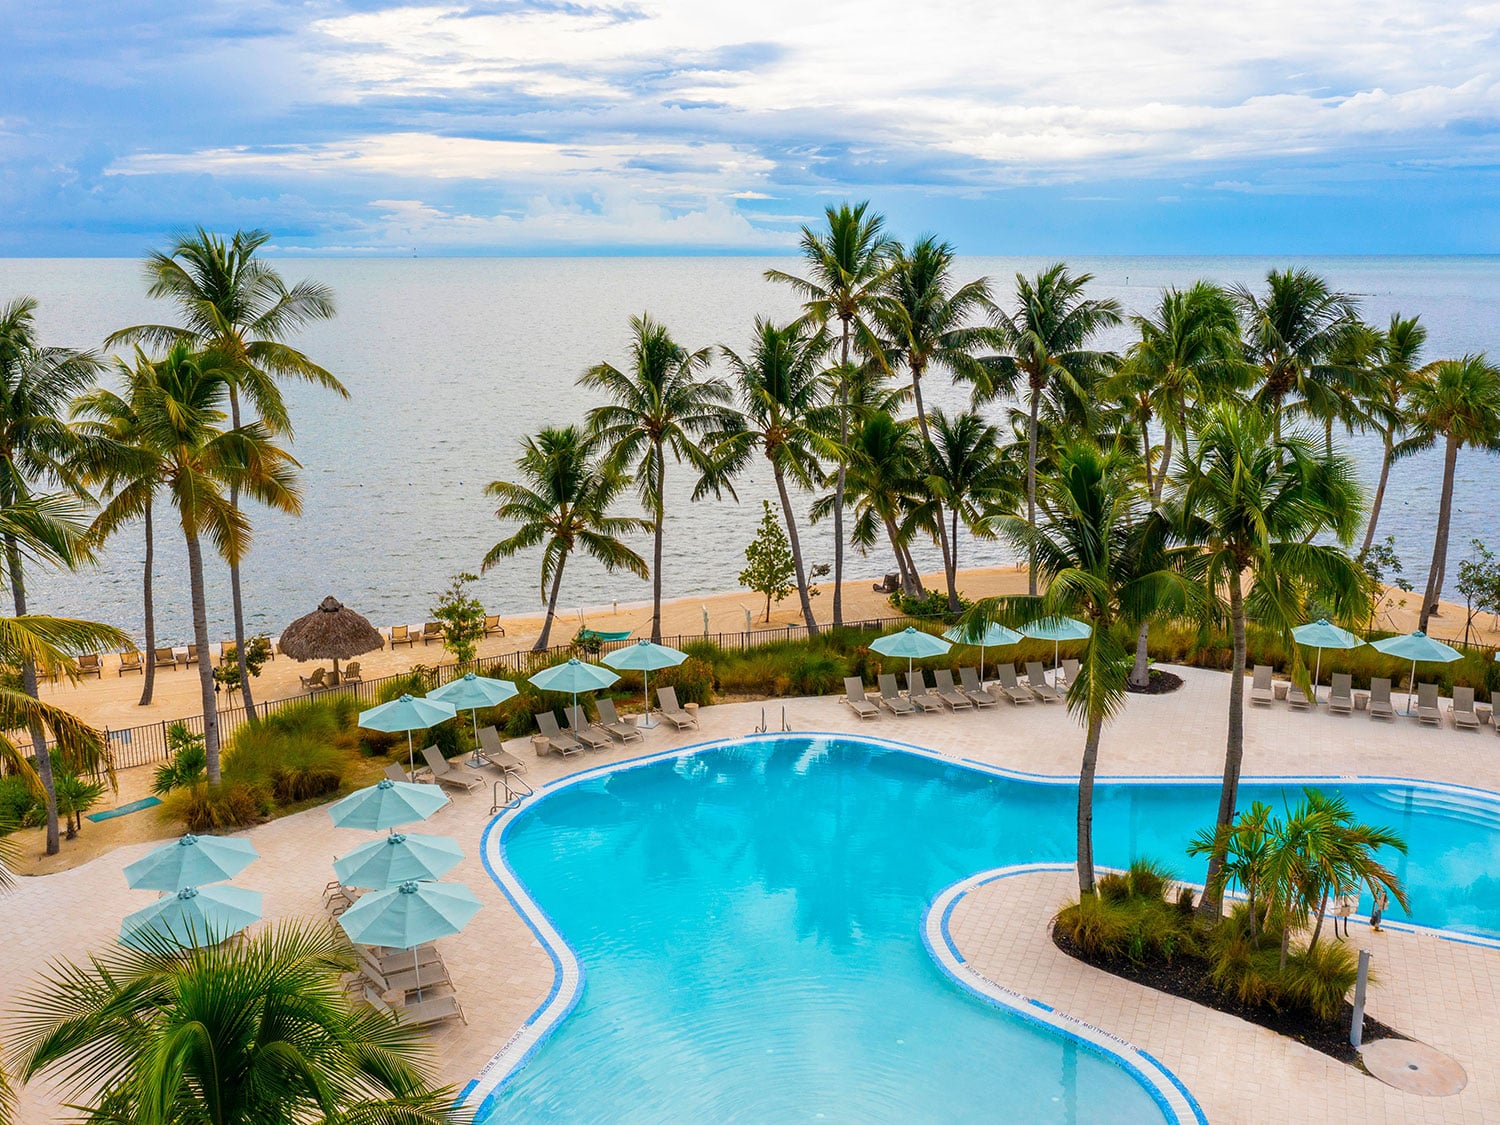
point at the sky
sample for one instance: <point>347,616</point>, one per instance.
<point>671,126</point>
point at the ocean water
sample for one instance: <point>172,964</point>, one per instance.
<point>449,362</point>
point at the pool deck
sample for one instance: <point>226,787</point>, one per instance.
<point>1442,992</point>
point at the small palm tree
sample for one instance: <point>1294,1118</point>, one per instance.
<point>1340,853</point>
<point>662,405</point>
<point>563,506</point>
<point>1383,406</point>
<point>966,478</point>
<point>885,470</point>
<point>1242,848</point>
<point>253,1033</point>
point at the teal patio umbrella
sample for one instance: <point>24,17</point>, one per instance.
<point>469,693</point>
<point>1321,634</point>
<point>1419,648</point>
<point>398,858</point>
<point>574,676</point>
<point>410,914</point>
<point>191,861</point>
<point>911,643</point>
<point>191,918</point>
<point>387,804</point>
<point>1057,630</point>
<point>645,657</point>
<point>994,636</point>
<point>407,714</point>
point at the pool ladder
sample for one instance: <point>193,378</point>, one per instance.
<point>513,797</point>
<point>785,727</point>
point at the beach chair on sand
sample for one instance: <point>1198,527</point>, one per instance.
<point>166,658</point>
<point>1296,699</point>
<point>192,656</point>
<point>1261,691</point>
<point>315,681</point>
<point>448,774</point>
<point>1428,708</point>
<point>948,691</point>
<point>559,741</point>
<point>891,698</point>
<point>859,703</point>
<point>1341,695</point>
<point>1069,671</point>
<point>610,722</point>
<point>396,773</point>
<point>493,751</point>
<point>1380,699</point>
<point>982,697</point>
<point>351,673</point>
<point>916,691</point>
<point>130,662</point>
<point>666,699</point>
<point>1036,680</point>
<point>88,665</point>
<point>1011,686</point>
<point>401,635</point>
<point>578,726</point>
<point>432,631</point>
<point>1464,715</point>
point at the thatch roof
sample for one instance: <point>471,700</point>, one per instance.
<point>330,632</point>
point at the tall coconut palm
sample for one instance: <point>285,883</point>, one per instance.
<point>1457,401</point>
<point>181,413</point>
<point>1250,506</point>
<point>966,479</point>
<point>562,504</point>
<point>846,266</point>
<point>1045,339</point>
<point>662,404</point>
<point>259,1032</point>
<point>785,402</point>
<point>235,303</point>
<point>1383,408</point>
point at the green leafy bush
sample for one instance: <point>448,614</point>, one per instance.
<point>217,808</point>
<point>75,796</point>
<point>20,805</point>
<point>291,786</point>
<point>188,765</point>
<point>693,681</point>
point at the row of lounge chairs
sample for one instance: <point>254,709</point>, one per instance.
<point>433,632</point>
<point>411,983</point>
<point>1340,700</point>
<point>945,695</point>
<point>608,728</point>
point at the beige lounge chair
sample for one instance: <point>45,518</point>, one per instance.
<point>1011,686</point>
<point>1297,699</point>
<point>1036,680</point>
<point>429,1009</point>
<point>981,696</point>
<point>493,751</point>
<point>1069,671</point>
<point>401,635</point>
<point>166,658</point>
<point>130,662</point>
<point>492,627</point>
<point>1261,691</point>
<point>88,665</point>
<point>610,722</point>
<point>1495,710</point>
<point>948,692</point>
<point>1380,699</point>
<point>916,691</point>
<point>1464,716</point>
<point>448,774</point>
<point>1429,710</point>
<point>192,656</point>
<point>351,673</point>
<point>666,699</point>
<point>1341,695</point>
<point>317,680</point>
<point>579,728</point>
<point>432,631</point>
<point>858,701</point>
<point>560,742</point>
<point>892,699</point>
<point>396,773</point>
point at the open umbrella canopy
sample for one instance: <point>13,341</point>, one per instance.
<point>644,656</point>
<point>191,918</point>
<point>992,636</point>
<point>398,858</point>
<point>1417,647</point>
<point>1058,629</point>
<point>573,676</point>
<point>387,804</point>
<point>1325,634</point>
<point>191,861</point>
<point>911,643</point>
<point>470,692</point>
<point>410,914</point>
<point>330,632</point>
<point>407,713</point>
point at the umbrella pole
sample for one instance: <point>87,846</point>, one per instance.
<point>648,722</point>
<point>411,758</point>
<point>1411,686</point>
<point>474,714</point>
<point>981,667</point>
<point>1317,674</point>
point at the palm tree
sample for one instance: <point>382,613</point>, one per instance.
<point>259,1032</point>
<point>661,405</point>
<point>1104,555</point>
<point>233,302</point>
<point>1242,848</point>
<point>1339,853</point>
<point>1457,400</point>
<point>563,505</point>
<point>885,470</point>
<point>786,417</point>
<point>1383,405</point>
<point>846,271</point>
<point>965,476</point>
<point>1045,338</point>
<point>181,415</point>
<point>1250,507</point>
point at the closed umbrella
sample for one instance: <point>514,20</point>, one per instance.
<point>410,915</point>
<point>1419,648</point>
<point>407,713</point>
<point>574,676</point>
<point>993,635</point>
<point>1057,630</point>
<point>469,693</point>
<point>1321,634</point>
<point>911,643</point>
<point>191,918</point>
<point>398,858</point>
<point>387,804</point>
<point>645,657</point>
<point>331,632</point>
<point>191,861</point>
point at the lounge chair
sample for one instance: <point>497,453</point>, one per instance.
<point>447,774</point>
<point>351,673</point>
<point>401,635</point>
<point>892,699</point>
<point>916,691</point>
<point>419,1012</point>
<point>948,691</point>
<point>493,751</point>
<point>1380,699</point>
<point>859,703</point>
<point>396,773</point>
<point>1464,716</point>
<point>1036,680</point>
<point>492,627</point>
<point>579,728</point>
<point>166,658</point>
<point>981,696</point>
<point>1011,686</point>
<point>1429,710</point>
<point>559,741</point>
<point>610,722</point>
<point>1261,691</point>
<point>192,656</point>
<point>1297,699</point>
<point>88,665</point>
<point>666,699</point>
<point>432,631</point>
<point>130,662</point>
<point>317,680</point>
<point>1341,695</point>
<point>1495,710</point>
<point>1069,671</point>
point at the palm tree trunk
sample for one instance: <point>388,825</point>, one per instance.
<point>234,589</point>
<point>950,563</point>
<point>1031,482</point>
<point>917,589</point>
<point>1086,805</point>
<point>541,641</point>
<point>949,550</point>
<point>791,534</point>
<point>1146,454</point>
<point>660,513</point>
<point>28,685</point>
<point>1318,928</point>
<point>1385,473</point>
<point>1234,749</point>
<point>205,665</point>
<point>1140,674</point>
<point>148,603</point>
<point>838,499</point>
<point>1440,543</point>
<point>903,564</point>
<point>1161,474</point>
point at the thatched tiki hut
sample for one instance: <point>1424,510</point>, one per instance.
<point>330,632</point>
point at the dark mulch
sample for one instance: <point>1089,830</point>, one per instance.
<point>1161,683</point>
<point>1188,978</point>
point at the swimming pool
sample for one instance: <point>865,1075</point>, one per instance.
<point>748,918</point>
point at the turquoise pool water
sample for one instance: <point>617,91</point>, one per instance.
<point>748,923</point>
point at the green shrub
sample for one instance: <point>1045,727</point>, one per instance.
<point>20,805</point>
<point>75,796</point>
<point>1098,926</point>
<point>692,680</point>
<point>291,786</point>
<point>1319,978</point>
<point>217,808</point>
<point>188,765</point>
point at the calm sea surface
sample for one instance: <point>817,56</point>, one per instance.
<point>450,361</point>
